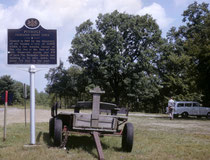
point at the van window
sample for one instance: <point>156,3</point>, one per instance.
<point>188,104</point>
<point>196,105</point>
<point>180,105</point>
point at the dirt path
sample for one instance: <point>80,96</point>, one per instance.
<point>16,115</point>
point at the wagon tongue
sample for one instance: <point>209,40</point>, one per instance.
<point>98,145</point>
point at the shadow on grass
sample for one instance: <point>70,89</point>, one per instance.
<point>117,149</point>
<point>2,147</point>
<point>38,137</point>
<point>47,140</point>
<point>85,143</point>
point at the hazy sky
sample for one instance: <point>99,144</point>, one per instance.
<point>65,15</point>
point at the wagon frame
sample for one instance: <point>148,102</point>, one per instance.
<point>63,124</point>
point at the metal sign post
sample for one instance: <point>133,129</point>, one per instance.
<point>32,45</point>
<point>32,71</point>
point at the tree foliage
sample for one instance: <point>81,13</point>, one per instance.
<point>15,91</point>
<point>7,84</point>
<point>66,85</point>
<point>180,63</point>
<point>197,35</point>
<point>119,55</point>
<point>127,57</point>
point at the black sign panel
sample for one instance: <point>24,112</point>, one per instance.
<point>32,44</point>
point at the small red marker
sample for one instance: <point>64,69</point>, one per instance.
<point>6,96</point>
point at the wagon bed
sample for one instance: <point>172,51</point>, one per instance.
<point>95,123</point>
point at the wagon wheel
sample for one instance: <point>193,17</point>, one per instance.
<point>185,115</point>
<point>176,115</point>
<point>199,117</point>
<point>51,127</point>
<point>208,115</point>
<point>127,137</point>
<point>58,132</point>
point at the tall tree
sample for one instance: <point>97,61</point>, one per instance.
<point>55,78</point>
<point>120,54</point>
<point>180,63</point>
<point>67,84</point>
<point>6,83</point>
<point>197,35</point>
<point>14,88</point>
<point>176,69</point>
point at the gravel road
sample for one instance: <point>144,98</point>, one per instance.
<point>16,115</point>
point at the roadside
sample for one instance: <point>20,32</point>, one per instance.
<point>16,115</point>
<point>153,121</point>
<point>155,136</point>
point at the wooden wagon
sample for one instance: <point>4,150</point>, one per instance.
<point>63,124</point>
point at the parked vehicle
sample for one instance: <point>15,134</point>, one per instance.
<point>190,108</point>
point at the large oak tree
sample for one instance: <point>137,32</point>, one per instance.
<point>119,54</point>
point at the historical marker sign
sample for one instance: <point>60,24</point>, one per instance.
<point>32,44</point>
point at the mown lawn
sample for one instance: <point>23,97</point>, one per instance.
<point>155,138</point>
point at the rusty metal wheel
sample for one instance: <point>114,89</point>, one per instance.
<point>208,115</point>
<point>58,132</point>
<point>185,115</point>
<point>127,137</point>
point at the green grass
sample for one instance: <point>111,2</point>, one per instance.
<point>154,139</point>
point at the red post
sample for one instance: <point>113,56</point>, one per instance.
<point>6,97</point>
<point>5,115</point>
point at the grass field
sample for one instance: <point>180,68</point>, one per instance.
<point>156,137</point>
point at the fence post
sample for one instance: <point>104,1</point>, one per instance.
<point>5,115</point>
<point>25,97</point>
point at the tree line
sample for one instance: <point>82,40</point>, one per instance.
<point>16,93</point>
<point>139,69</point>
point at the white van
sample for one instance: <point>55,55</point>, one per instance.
<point>190,108</point>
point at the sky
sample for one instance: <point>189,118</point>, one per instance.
<point>65,15</point>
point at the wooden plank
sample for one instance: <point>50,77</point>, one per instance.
<point>83,117</point>
<point>95,110</point>
<point>88,129</point>
<point>95,106</point>
<point>85,120</point>
<point>98,146</point>
<point>82,124</point>
<point>82,120</point>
